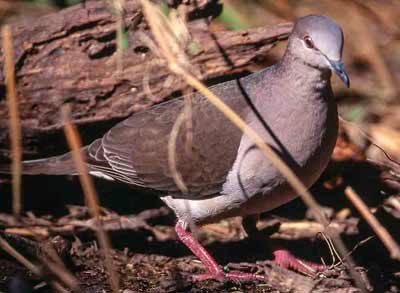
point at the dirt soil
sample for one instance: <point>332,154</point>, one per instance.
<point>150,259</point>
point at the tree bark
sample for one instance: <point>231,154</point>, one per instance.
<point>70,57</point>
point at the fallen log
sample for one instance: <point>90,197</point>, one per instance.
<point>70,56</point>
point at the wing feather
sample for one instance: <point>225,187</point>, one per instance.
<point>135,151</point>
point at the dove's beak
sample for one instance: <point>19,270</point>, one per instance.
<point>338,68</point>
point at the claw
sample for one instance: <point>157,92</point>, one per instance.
<point>286,259</point>
<point>282,257</point>
<point>215,270</point>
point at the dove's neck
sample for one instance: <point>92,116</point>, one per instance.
<point>299,75</point>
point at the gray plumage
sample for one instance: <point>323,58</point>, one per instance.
<point>225,173</point>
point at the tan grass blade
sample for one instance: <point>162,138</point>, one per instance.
<point>15,127</point>
<point>381,231</point>
<point>92,199</point>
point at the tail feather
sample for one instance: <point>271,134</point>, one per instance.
<point>58,165</point>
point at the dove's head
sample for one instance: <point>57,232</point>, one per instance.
<point>318,42</point>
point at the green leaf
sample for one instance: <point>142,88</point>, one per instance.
<point>164,8</point>
<point>124,39</point>
<point>231,18</point>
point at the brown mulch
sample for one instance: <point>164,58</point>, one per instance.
<point>148,257</point>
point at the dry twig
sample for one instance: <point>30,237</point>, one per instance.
<point>19,257</point>
<point>15,128</point>
<point>29,265</point>
<point>91,196</point>
<point>381,231</point>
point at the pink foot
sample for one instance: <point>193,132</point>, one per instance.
<point>286,259</point>
<point>215,270</point>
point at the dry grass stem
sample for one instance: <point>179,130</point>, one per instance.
<point>334,254</point>
<point>172,153</point>
<point>184,116</point>
<point>179,65</point>
<point>51,262</point>
<point>347,124</point>
<point>58,271</point>
<point>91,196</point>
<point>15,127</point>
<point>380,231</point>
<point>365,133</point>
<point>170,40</point>
<point>19,257</point>
<point>63,275</point>
<point>189,123</point>
<point>56,266</point>
<point>361,243</point>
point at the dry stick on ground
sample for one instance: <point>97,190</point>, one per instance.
<point>15,128</point>
<point>382,233</point>
<point>287,230</point>
<point>25,262</point>
<point>159,26</point>
<point>75,144</point>
<point>52,261</point>
<point>63,275</point>
<point>19,257</point>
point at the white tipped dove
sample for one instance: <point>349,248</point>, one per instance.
<point>290,104</point>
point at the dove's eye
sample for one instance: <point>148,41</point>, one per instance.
<point>309,43</point>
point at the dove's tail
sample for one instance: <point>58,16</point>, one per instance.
<point>58,165</point>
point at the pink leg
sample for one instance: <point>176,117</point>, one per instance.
<point>282,257</point>
<point>215,271</point>
<point>286,259</point>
